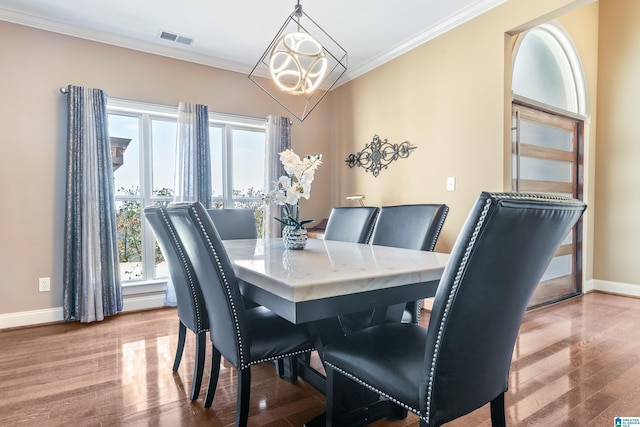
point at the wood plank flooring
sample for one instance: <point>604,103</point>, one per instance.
<point>576,363</point>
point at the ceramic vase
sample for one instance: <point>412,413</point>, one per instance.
<point>294,238</point>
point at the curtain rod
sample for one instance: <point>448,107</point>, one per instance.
<point>288,119</point>
<point>65,91</point>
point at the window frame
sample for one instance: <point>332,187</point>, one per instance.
<point>561,46</point>
<point>146,113</point>
<point>229,124</point>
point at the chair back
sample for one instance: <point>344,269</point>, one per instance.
<point>351,224</point>
<point>191,306</point>
<point>203,246</point>
<point>409,226</point>
<point>498,259</point>
<point>234,223</point>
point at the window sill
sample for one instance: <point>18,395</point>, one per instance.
<point>146,287</point>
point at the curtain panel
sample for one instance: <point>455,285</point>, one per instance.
<point>193,160</point>
<point>91,275</point>
<point>278,138</point>
<point>192,181</point>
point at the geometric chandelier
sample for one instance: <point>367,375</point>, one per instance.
<point>301,65</point>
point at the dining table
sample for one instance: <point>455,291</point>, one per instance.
<point>328,279</point>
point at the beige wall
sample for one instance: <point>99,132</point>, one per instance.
<point>35,64</point>
<point>617,193</point>
<point>450,97</point>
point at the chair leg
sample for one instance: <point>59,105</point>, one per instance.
<point>198,366</point>
<point>497,412</point>
<point>182,333</point>
<point>244,393</point>
<point>413,309</point>
<point>333,397</point>
<point>287,368</point>
<point>213,377</point>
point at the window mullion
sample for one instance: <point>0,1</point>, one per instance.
<point>227,149</point>
<point>146,170</point>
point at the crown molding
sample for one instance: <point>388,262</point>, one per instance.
<point>431,33</point>
<point>120,41</point>
<point>154,48</point>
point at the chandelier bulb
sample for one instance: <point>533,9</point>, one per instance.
<point>298,63</point>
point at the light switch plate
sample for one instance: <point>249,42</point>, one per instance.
<point>451,183</point>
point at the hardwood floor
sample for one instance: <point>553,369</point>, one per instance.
<point>576,363</point>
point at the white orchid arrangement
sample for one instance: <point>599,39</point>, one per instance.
<point>294,185</point>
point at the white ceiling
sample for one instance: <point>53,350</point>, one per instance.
<point>234,34</point>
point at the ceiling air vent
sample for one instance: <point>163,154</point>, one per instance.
<point>176,38</point>
<point>184,40</point>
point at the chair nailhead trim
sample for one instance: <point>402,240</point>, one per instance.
<point>280,356</point>
<point>222,275</point>
<point>459,274</point>
<point>185,264</point>
<point>535,196</point>
<point>375,219</point>
<point>374,389</point>
<point>463,262</point>
<point>418,312</point>
<point>452,293</point>
<point>439,229</point>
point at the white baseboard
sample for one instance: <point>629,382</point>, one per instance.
<point>33,317</point>
<point>618,288</point>
<point>52,315</point>
<point>134,303</point>
<point>588,286</point>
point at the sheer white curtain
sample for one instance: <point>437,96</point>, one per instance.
<point>91,276</point>
<point>192,181</point>
<point>278,138</point>
<point>193,163</point>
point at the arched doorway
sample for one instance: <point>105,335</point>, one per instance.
<point>549,109</point>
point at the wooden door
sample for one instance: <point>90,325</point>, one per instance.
<point>547,158</point>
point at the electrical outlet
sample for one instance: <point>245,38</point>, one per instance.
<point>44,284</point>
<point>451,183</point>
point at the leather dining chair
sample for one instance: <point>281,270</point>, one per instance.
<point>192,312</point>
<point>415,226</point>
<point>241,224</point>
<point>244,337</point>
<point>461,360</point>
<point>234,223</point>
<point>351,224</point>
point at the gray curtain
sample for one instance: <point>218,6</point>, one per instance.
<point>193,161</point>
<point>91,276</point>
<point>278,138</point>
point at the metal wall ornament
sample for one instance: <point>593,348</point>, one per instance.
<point>377,155</point>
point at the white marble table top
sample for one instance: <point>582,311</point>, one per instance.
<point>329,268</point>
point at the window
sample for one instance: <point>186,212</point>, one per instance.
<point>237,164</point>
<point>143,144</point>
<point>547,69</point>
